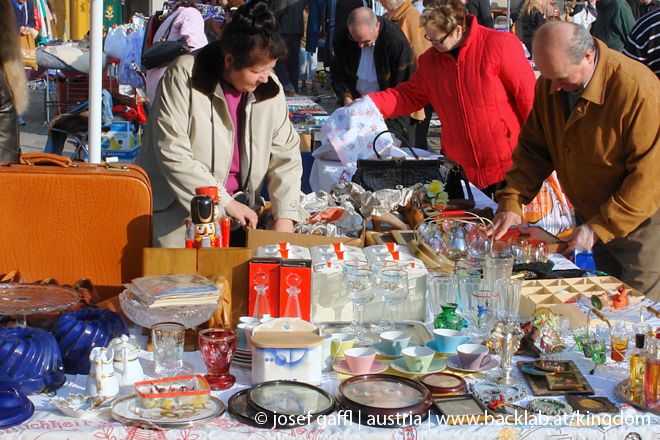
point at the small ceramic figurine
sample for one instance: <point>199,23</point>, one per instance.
<point>202,231</point>
<point>546,340</point>
<point>620,300</point>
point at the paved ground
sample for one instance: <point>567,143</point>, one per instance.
<point>34,133</point>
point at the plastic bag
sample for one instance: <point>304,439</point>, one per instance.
<point>550,210</point>
<point>115,42</point>
<point>132,52</point>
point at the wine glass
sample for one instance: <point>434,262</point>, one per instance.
<point>360,289</point>
<point>378,266</point>
<point>349,266</point>
<point>394,285</point>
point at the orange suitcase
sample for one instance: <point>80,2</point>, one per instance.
<point>74,220</point>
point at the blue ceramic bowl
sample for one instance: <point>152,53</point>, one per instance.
<point>80,331</point>
<point>30,361</point>
<point>15,408</point>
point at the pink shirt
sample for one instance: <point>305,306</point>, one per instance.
<point>188,23</point>
<point>234,100</point>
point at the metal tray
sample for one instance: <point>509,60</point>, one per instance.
<point>123,411</point>
<point>622,392</point>
<point>418,333</point>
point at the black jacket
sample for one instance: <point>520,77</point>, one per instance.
<point>530,24</point>
<point>9,135</point>
<point>481,9</point>
<point>640,8</point>
<point>20,15</point>
<point>393,58</point>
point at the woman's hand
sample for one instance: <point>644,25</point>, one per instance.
<point>283,225</point>
<point>242,213</point>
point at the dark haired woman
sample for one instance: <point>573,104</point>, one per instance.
<point>13,85</point>
<point>220,119</point>
<point>187,22</point>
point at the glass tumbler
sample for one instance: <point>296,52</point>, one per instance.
<point>167,340</point>
<point>218,346</point>
<point>538,251</point>
<point>484,311</point>
<point>509,291</point>
<point>496,267</point>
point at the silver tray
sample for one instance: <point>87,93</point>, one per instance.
<point>622,392</point>
<point>418,333</point>
<point>122,411</point>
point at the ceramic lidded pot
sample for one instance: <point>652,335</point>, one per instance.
<point>448,318</point>
<point>126,363</point>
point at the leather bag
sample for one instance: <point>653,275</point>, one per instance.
<point>163,52</point>
<point>69,221</point>
<point>374,175</point>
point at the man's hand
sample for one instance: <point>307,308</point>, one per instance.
<point>502,222</point>
<point>581,239</point>
<point>242,213</point>
<point>283,225</point>
<point>348,101</point>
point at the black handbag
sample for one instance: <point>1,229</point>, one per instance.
<point>163,52</point>
<point>377,174</point>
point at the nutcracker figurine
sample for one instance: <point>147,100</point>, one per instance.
<point>203,230</point>
<point>211,191</point>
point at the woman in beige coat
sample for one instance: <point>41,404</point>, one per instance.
<point>220,119</point>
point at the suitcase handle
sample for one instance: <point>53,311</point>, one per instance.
<point>45,158</point>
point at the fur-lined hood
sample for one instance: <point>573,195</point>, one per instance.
<point>209,67</point>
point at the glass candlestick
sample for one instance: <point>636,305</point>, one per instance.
<point>261,305</point>
<point>506,336</point>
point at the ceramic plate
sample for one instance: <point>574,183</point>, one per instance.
<point>78,406</point>
<point>381,350</point>
<point>127,410</point>
<point>400,365</point>
<point>432,346</point>
<point>455,363</point>
<point>489,391</point>
<point>241,363</point>
<point>342,367</point>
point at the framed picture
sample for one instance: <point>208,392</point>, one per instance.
<point>461,409</point>
<point>563,381</point>
<point>512,413</point>
<point>403,237</point>
<point>540,386</point>
<point>591,405</point>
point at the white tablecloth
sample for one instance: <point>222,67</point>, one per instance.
<point>49,424</point>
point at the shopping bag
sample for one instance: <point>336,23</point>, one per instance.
<point>115,42</point>
<point>28,51</point>
<point>550,210</point>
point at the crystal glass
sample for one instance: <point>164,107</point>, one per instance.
<point>394,285</point>
<point>497,266</point>
<point>218,346</point>
<point>349,266</point>
<point>167,340</point>
<point>509,291</point>
<point>595,348</point>
<point>619,342</point>
<point>466,287</point>
<point>518,248</point>
<point>484,311</point>
<point>538,252</point>
<point>479,244</point>
<point>360,289</point>
<point>581,334</point>
<point>28,299</point>
<point>378,267</point>
<point>188,316</point>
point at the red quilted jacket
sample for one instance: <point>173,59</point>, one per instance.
<point>481,100</point>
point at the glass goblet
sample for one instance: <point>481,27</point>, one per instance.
<point>384,324</point>
<point>395,288</point>
<point>352,328</point>
<point>218,346</point>
<point>360,288</point>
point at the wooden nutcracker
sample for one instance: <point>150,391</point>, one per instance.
<point>203,230</point>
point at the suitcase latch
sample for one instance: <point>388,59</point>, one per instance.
<point>116,167</point>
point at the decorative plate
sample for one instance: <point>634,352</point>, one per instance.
<point>400,366</point>
<point>128,411</point>
<point>550,407</point>
<point>290,398</point>
<point>80,406</point>
<point>489,391</point>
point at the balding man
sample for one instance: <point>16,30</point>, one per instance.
<point>371,54</point>
<point>595,121</point>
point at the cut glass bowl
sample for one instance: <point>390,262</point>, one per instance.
<point>188,316</point>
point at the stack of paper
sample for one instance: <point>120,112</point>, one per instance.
<point>174,290</point>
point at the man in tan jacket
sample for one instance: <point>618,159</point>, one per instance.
<point>594,121</point>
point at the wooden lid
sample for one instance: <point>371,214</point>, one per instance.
<point>272,339</point>
<point>443,383</point>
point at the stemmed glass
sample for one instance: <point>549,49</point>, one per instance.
<point>360,288</point>
<point>484,309</point>
<point>378,266</point>
<point>394,285</point>
<point>349,266</point>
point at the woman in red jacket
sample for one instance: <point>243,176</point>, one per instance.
<point>480,85</point>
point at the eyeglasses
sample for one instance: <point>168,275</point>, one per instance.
<point>441,40</point>
<point>365,42</point>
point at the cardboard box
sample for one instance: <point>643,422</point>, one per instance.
<point>121,142</point>
<point>271,267</point>
<point>305,142</point>
<point>303,268</point>
<point>258,237</point>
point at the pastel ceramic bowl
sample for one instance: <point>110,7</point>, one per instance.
<point>30,360</point>
<point>79,331</point>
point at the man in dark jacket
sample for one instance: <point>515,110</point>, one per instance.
<point>614,23</point>
<point>643,42</point>
<point>371,54</point>
<point>289,15</point>
<point>643,7</point>
<point>481,9</point>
